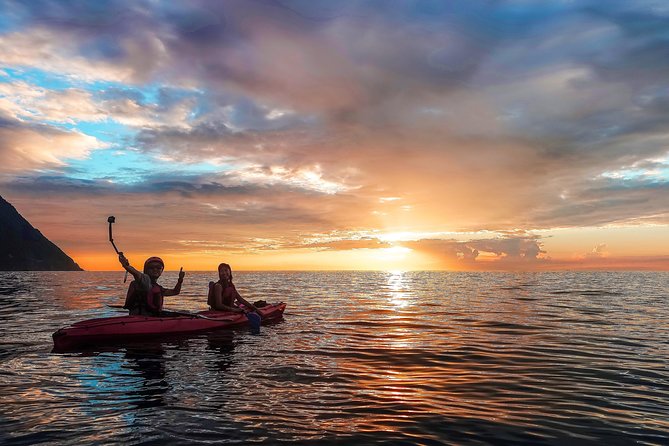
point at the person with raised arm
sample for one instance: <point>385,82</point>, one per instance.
<point>145,295</point>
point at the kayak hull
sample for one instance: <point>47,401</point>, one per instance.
<point>121,329</point>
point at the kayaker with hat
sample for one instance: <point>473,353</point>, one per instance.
<point>145,295</point>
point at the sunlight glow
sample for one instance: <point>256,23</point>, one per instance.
<point>394,253</point>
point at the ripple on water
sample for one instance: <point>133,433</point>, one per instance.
<point>361,357</point>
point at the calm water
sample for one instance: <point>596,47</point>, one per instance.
<point>360,358</point>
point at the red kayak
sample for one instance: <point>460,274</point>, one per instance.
<point>128,328</point>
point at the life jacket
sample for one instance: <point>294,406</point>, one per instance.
<point>229,294</point>
<point>150,302</point>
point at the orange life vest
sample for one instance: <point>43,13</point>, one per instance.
<point>150,302</point>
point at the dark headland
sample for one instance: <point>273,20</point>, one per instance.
<point>24,248</point>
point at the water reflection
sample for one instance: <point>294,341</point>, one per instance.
<point>368,358</point>
<point>221,343</point>
<point>398,293</point>
<point>148,361</point>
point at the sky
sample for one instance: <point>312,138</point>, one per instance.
<point>481,135</point>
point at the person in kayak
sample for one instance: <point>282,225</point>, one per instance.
<point>223,295</point>
<point>145,295</point>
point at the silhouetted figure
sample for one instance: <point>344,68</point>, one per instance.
<point>145,295</point>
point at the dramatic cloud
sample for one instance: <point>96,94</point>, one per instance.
<point>507,252</point>
<point>291,118</point>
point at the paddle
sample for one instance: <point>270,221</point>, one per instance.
<point>111,219</point>
<point>181,313</point>
<point>195,315</point>
<point>255,321</point>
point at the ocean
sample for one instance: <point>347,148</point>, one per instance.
<point>361,358</point>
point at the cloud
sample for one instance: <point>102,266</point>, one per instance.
<point>23,101</point>
<point>511,250</point>
<point>60,51</point>
<point>345,245</point>
<point>608,201</point>
<point>38,146</point>
<point>471,115</point>
<point>29,102</point>
<point>216,202</point>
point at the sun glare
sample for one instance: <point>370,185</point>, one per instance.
<point>396,251</point>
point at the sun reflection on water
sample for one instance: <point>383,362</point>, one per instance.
<point>397,285</point>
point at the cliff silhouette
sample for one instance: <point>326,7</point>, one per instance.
<point>24,248</point>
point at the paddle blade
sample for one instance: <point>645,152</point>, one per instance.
<point>254,322</point>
